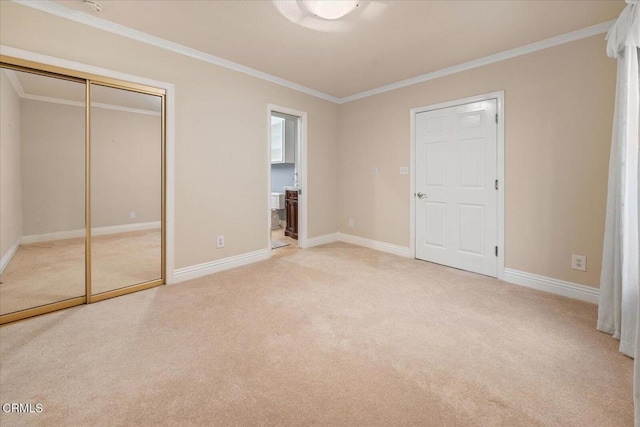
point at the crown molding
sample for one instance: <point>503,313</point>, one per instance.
<point>15,82</point>
<point>491,59</point>
<point>52,100</point>
<point>93,104</point>
<point>125,109</point>
<point>102,24</point>
<point>13,79</point>
<point>53,8</point>
<point>20,91</point>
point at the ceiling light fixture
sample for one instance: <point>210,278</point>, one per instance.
<point>330,9</point>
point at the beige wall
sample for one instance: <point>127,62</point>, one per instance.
<point>221,155</point>
<point>125,159</point>
<point>559,105</point>
<point>52,167</point>
<point>10,177</point>
<point>559,108</point>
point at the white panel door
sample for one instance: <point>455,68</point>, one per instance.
<point>456,196</point>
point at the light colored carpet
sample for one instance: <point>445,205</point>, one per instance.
<point>125,259</point>
<point>47,272</point>
<point>333,335</point>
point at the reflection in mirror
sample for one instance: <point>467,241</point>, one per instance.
<point>126,190</point>
<point>42,190</point>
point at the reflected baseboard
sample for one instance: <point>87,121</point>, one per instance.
<point>97,231</point>
<point>6,258</point>
<point>115,229</point>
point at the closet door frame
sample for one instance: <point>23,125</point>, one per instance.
<point>88,79</point>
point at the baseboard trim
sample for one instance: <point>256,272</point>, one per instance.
<point>98,231</point>
<point>49,237</point>
<point>115,229</point>
<point>402,251</point>
<point>554,286</point>
<point>204,269</point>
<point>516,277</point>
<point>322,240</point>
<point>6,259</point>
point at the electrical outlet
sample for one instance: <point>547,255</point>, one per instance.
<point>579,262</point>
<point>351,222</point>
<point>132,214</point>
<point>374,171</point>
<point>404,170</point>
<point>220,242</point>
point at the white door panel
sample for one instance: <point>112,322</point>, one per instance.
<point>471,235</point>
<point>435,170</point>
<point>435,224</point>
<point>456,169</point>
<point>471,163</point>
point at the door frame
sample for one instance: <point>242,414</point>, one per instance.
<point>501,162</point>
<point>301,167</point>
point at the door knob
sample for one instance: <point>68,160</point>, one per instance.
<point>421,195</point>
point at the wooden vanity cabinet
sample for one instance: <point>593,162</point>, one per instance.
<point>291,209</point>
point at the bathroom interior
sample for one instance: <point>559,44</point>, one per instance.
<point>284,182</point>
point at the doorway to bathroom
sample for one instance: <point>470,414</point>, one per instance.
<point>287,213</point>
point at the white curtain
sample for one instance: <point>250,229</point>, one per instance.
<point>618,307</point>
<point>619,282</point>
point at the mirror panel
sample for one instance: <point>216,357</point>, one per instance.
<point>126,188</point>
<point>42,190</point>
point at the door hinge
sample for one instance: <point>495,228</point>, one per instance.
<point>496,251</point>
<point>496,184</point>
<point>496,118</point>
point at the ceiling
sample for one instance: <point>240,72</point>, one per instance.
<point>380,43</point>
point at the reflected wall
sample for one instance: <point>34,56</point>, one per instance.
<point>126,190</point>
<point>42,187</point>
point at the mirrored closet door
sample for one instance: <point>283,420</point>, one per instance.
<point>42,190</point>
<point>126,190</point>
<point>82,200</point>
